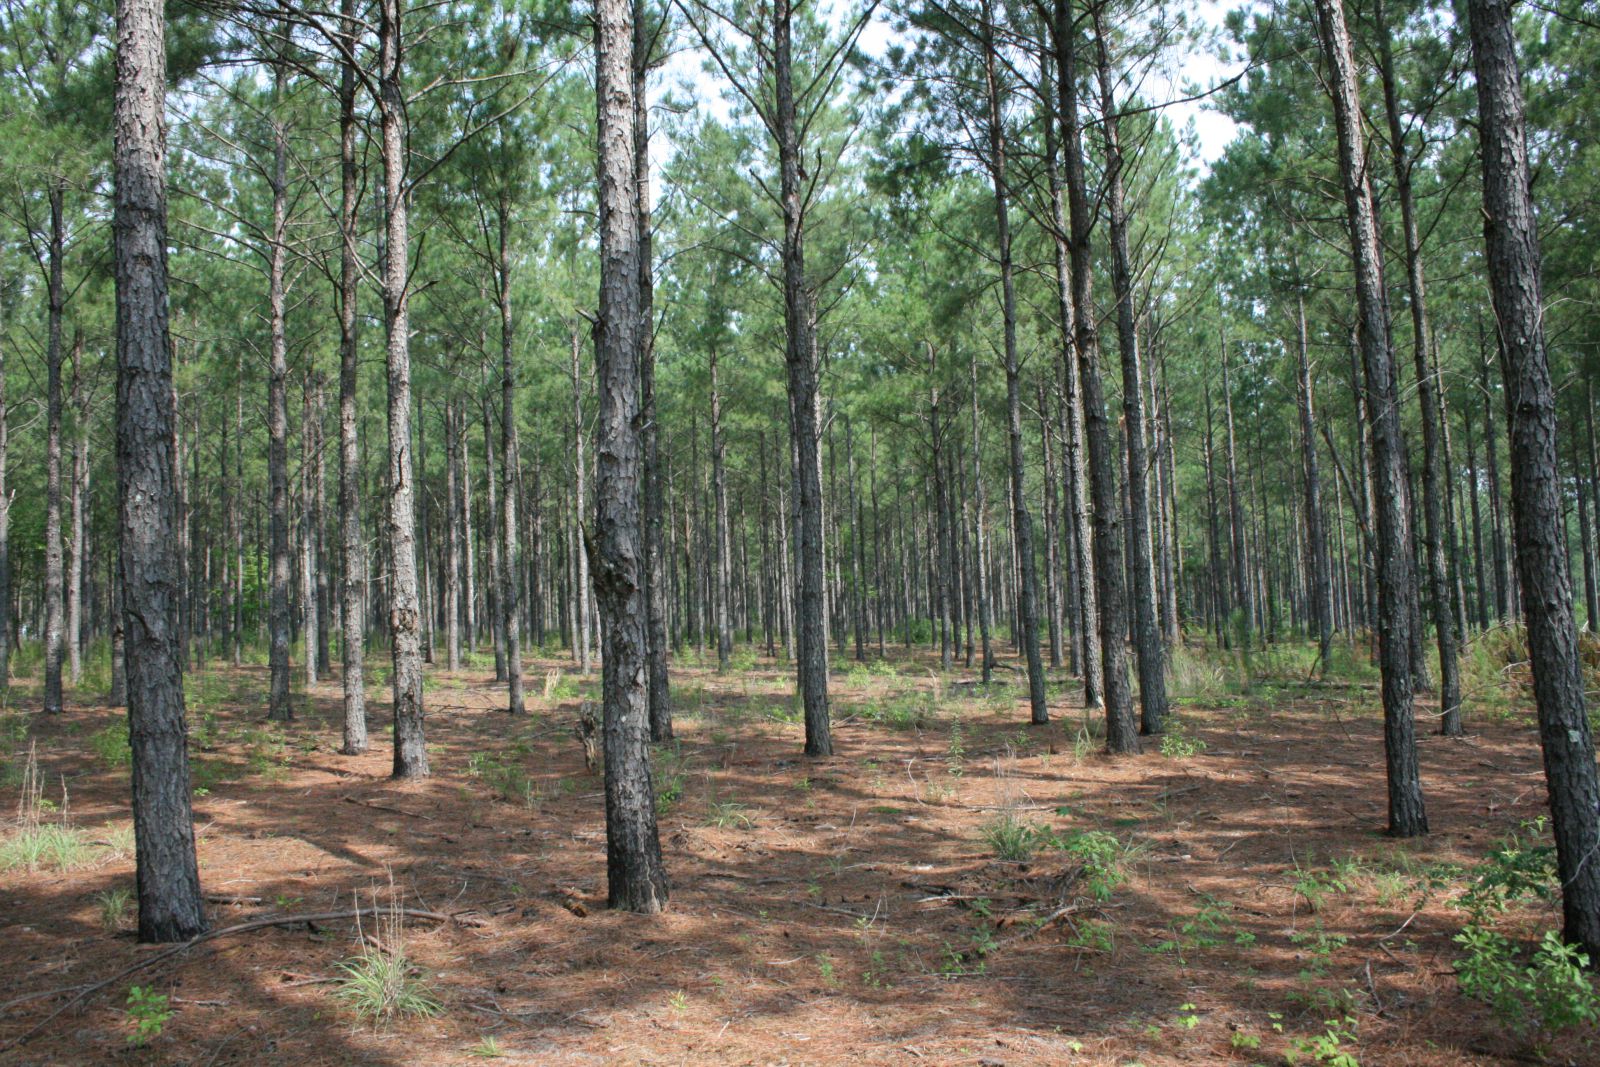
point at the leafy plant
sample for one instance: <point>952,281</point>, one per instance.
<point>1013,839</point>
<point>111,745</point>
<point>1547,993</point>
<point>1100,854</point>
<point>149,1011</point>
<point>1327,1047</point>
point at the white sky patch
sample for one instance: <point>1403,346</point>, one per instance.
<point>1192,71</point>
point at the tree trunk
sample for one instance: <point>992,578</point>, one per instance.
<point>979,522</point>
<point>636,876</point>
<point>1512,240</point>
<point>405,614</point>
<point>167,875</point>
<point>54,566</point>
<point>1407,817</point>
<point>308,531</point>
<point>1316,540</point>
<point>800,355</point>
<point>352,605</point>
<point>1147,623</point>
<point>719,486</point>
<point>1022,519</point>
<point>1122,730</point>
<point>7,635</point>
<point>279,708</point>
<point>80,520</point>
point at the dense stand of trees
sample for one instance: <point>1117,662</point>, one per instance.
<point>737,361</point>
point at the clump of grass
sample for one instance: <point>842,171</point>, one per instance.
<point>1012,839</point>
<point>114,905</point>
<point>36,843</point>
<point>381,984</point>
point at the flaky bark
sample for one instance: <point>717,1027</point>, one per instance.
<point>1512,238</point>
<point>1407,817</point>
<point>636,876</point>
<point>405,612</point>
<point>352,605</point>
<point>167,875</point>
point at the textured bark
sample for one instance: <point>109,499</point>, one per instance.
<point>1407,817</point>
<point>167,875</point>
<point>1146,614</point>
<point>1512,239</point>
<point>405,613</point>
<point>1122,730</point>
<point>800,356</point>
<point>580,490</point>
<point>636,877</point>
<point>1021,517</point>
<point>279,707</point>
<point>452,538</point>
<point>54,564</point>
<point>352,605</point>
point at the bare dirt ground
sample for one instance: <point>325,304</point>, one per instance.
<point>1198,907</point>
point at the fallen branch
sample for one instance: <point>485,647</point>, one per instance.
<point>85,992</point>
<point>385,807</point>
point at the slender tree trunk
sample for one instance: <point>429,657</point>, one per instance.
<point>167,875</point>
<point>1147,624</point>
<point>308,532</point>
<point>80,521</point>
<point>1122,729</point>
<point>800,354</point>
<point>1022,519</point>
<point>1407,817</point>
<point>719,486</point>
<point>405,613</point>
<point>1512,239</point>
<point>352,611</point>
<point>636,876</point>
<point>1316,540</point>
<point>1079,535</point>
<point>54,565</point>
<point>279,708</point>
<point>979,529</point>
<point>452,539</point>
<point>1427,394</point>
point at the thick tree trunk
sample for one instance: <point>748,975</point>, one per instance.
<point>352,605</point>
<point>167,875</point>
<point>1147,623</point>
<point>1512,239</point>
<point>405,612</point>
<point>800,354</point>
<point>636,876</point>
<point>1122,729</point>
<point>1407,817</point>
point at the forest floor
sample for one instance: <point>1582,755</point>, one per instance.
<point>1217,899</point>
